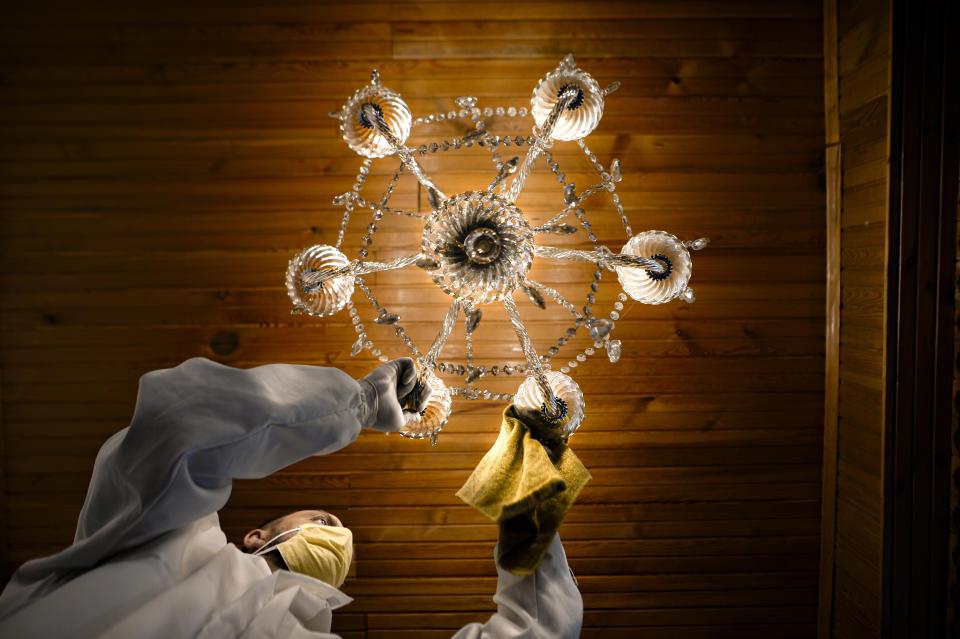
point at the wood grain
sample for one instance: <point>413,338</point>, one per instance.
<point>858,51</point>
<point>161,162</point>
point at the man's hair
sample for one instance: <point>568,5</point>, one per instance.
<point>267,523</point>
<point>263,526</point>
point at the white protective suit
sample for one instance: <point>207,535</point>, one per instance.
<point>149,558</point>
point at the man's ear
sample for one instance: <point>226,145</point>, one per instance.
<point>255,539</point>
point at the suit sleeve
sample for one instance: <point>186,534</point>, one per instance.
<point>197,427</point>
<point>543,605</point>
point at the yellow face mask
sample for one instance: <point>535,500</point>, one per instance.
<point>323,552</point>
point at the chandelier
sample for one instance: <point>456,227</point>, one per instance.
<point>478,247</point>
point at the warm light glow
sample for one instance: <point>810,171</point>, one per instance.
<point>478,247</point>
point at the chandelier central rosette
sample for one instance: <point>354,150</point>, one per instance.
<point>478,247</point>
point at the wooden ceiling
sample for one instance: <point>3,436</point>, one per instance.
<point>161,162</point>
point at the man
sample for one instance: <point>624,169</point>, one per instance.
<point>149,558</point>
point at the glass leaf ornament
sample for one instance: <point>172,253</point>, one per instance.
<point>306,291</point>
<point>614,350</point>
<point>646,285</point>
<point>583,112</point>
<point>529,402</point>
<point>361,134</point>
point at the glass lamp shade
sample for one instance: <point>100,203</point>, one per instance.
<point>481,244</point>
<point>647,286</point>
<point>360,134</point>
<point>529,402</point>
<point>582,114</point>
<point>316,299</point>
<point>435,414</point>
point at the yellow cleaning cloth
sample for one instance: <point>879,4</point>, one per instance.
<point>527,490</point>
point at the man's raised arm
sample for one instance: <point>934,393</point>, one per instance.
<point>542,605</point>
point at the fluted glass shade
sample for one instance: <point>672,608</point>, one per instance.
<point>529,402</point>
<point>313,298</point>
<point>582,114</point>
<point>648,286</point>
<point>435,414</point>
<point>360,134</point>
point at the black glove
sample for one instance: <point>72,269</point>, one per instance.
<point>394,397</point>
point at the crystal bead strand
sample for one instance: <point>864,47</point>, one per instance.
<point>453,143</point>
<point>608,179</point>
<point>581,357</point>
<point>553,351</point>
<point>363,340</point>
<point>590,156</point>
<point>373,206</point>
<point>468,341</point>
<point>367,239</point>
<point>574,203</point>
<point>476,393</point>
<point>554,166</point>
<point>386,318</point>
<point>399,148</point>
<point>453,368</point>
<point>348,202</point>
<point>440,116</point>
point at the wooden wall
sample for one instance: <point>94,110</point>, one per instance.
<point>162,161</point>
<point>852,559</point>
<point>853,532</point>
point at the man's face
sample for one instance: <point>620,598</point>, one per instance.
<point>260,536</point>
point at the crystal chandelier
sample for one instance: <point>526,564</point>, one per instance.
<point>478,247</point>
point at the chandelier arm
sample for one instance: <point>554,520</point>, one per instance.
<point>541,138</point>
<point>315,279</point>
<point>533,360</point>
<point>429,362</point>
<point>402,151</point>
<point>609,260</point>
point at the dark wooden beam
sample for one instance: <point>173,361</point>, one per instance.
<point>919,316</point>
<point>834,173</point>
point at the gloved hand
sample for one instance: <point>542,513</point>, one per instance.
<point>389,388</point>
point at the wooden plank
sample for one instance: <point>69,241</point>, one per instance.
<point>295,12</point>
<point>732,46</point>
<point>348,498</point>
<point>330,149</point>
<point>342,77</point>
<point>868,81</point>
<point>832,363</point>
<point>607,618</point>
<point>302,110</point>
<point>160,164</point>
<point>276,82</point>
<point>733,631</point>
<point>680,30</point>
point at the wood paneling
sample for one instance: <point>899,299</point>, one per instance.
<point>161,162</point>
<point>850,596</point>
